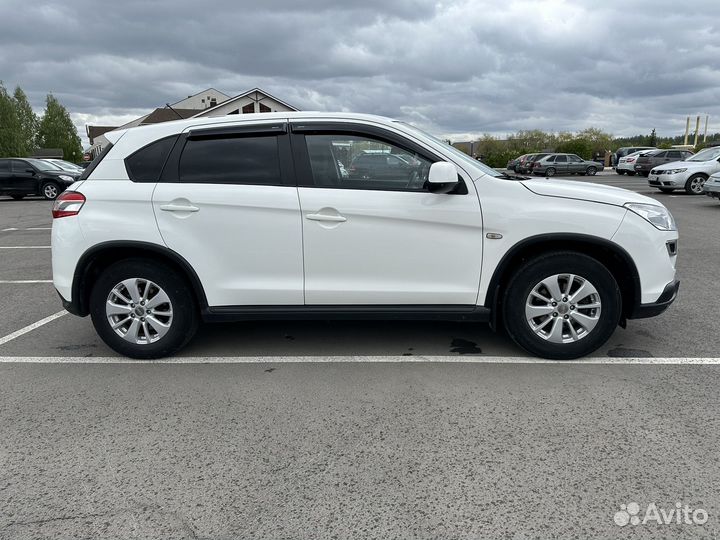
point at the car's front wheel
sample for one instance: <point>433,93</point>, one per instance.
<point>620,171</point>
<point>50,190</point>
<point>143,309</point>
<point>631,173</point>
<point>591,171</point>
<point>561,306</point>
<point>694,184</point>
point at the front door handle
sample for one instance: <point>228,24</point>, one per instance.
<point>325,217</point>
<point>174,207</point>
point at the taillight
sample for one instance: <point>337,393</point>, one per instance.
<point>67,204</point>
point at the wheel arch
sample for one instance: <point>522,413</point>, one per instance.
<point>613,256</point>
<point>99,257</point>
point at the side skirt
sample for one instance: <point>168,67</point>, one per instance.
<point>356,312</point>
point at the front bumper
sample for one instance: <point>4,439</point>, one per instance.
<point>676,180</point>
<point>712,189</point>
<point>643,311</point>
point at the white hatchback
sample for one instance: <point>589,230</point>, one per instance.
<point>321,215</point>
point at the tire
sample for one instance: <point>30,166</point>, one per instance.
<point>620,171</point>
<point>550,171</point>
<point>694,184</point>
<point>631,173</point>
<point>18,197</point>
<point>180,312</point>
<point>556,267</point>
<point>591,171</point>
<point>50,191</point>
<point>666,190</point>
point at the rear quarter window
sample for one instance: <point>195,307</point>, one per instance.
<point>146,164</point>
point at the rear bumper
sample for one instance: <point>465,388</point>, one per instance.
<point>643,311</point>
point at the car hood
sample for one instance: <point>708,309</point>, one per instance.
<point>683,165</point>
<point>584,191</point>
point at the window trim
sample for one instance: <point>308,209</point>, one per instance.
<point>305,177</point>
<point>171,171</point>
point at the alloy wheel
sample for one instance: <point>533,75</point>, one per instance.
<point>139,311</point>
<point>563,308</point>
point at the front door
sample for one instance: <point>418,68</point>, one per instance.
<point>374,238</point>
<point>561,164</point>
<point>227,203</point>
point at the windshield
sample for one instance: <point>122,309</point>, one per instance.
<point>43,165</point>
<point>706,155</point>
<point>462,156</point>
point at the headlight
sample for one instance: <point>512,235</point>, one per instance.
<point>66,178</point>
<point>659,216</point>
<point>674,171</point>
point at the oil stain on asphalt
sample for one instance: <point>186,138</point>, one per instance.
<point>463,346</point>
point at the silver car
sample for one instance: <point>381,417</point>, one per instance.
<point>564,164</point>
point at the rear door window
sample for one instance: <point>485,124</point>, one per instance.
<point>252,160</point>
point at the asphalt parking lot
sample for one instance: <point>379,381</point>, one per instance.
<point>355,429</point>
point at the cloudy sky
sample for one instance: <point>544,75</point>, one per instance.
<point>455,67</point>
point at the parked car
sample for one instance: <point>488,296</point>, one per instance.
<point>20,177</point>
<point>647,161</point>
<point>712,186</point>
<point>626,165</point>
<point>379,166</point>
<point>530,162</point>
<point>627,150</point>
<point>65,165</point>
<point>563,164</point>
<point>513,164</point>
<point>689,174</point>
<point>223,220</point>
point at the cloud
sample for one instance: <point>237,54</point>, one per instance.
<point>455,67</point>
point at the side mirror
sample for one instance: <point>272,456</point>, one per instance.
<point>442,177</point>
<point>31,171</point>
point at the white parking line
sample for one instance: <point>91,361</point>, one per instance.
<point>356,359</point>
<point>25,247</point>
<point>9,281</point>
<point>31,327</point>
<point>13,229</point>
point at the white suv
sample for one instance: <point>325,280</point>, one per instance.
<point>238,218</point>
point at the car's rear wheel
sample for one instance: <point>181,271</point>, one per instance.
<point>694,184</point>
<point>550,171</point>
<point>143,309</point>
<point>620,171</point>
<point>591,171</point>
<point>50,190</point>
<point>561,306</point>
<point>666,190</point>
<point>18,197</point>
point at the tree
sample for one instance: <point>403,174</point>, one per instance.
<point>27,123</point>
<point>57,130</point>
<point>9,125</point>
<point>653,138</point>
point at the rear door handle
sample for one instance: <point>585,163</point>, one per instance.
<point>325,217</point>
<point>172,207</point>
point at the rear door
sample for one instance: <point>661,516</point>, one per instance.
<point>561,164</point>
<point>673,155</point>
<point>382,239</point>
<point>24,177</point>
<point>227,202</point>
